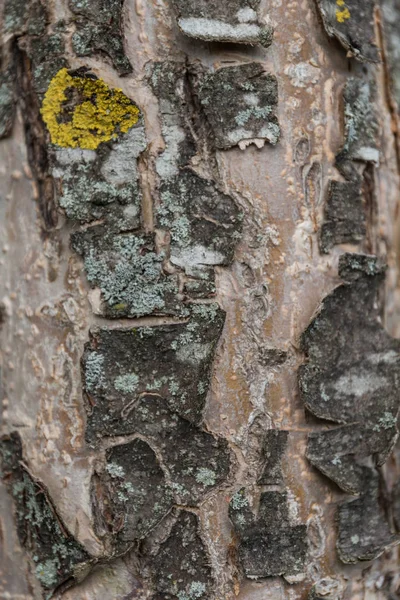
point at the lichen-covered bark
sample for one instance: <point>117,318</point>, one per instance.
<point>199,363</point>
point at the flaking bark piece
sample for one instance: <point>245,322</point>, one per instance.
<point>352,23</point>
<point>353,379</point>
<point>173,361</point>
<point>181,568</point>
<point>345,220</point>
<point>240,103</point>
<point>233,21</point>
<point>269,545</point>
<point>99,30</point>
<point>59,560</point>
<point>274,447</point>
<point>364,533</point>
<point>169,82</point>
<point>130,497</point>
<point>361,127</point>
<point>197,462</point>
<point>205,224</point>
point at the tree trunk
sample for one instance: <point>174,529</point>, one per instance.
<point>199,300</point>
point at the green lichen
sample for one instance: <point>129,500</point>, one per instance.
<point>387,421</point>
<point>129,275</point>
<point>239,500</point>
<point>206,476</point>
<point>126,383</point>
<point>196,590</point>
<point>256,112</point>
<point>115,470</point>
<point>94,371</point>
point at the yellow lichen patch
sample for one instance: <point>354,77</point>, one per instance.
<point>81,112</point>
<point>342,13</point>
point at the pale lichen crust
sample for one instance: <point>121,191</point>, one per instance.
<point>58,559</point>
<point>351,22</point>
<point>233,21</point>
<point>269,544</point>
<point>240,104</point>
<point>353,382</point>
<point>82,111</point>
<point>99,31</point>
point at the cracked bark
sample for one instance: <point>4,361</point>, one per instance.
<point>177,389</point>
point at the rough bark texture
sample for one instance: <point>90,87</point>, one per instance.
<point>200,370</point>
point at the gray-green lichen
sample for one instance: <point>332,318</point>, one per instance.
<point>128,270</point>
<point>240,104</point>
<point>58,558</point>
<point>234,21</point>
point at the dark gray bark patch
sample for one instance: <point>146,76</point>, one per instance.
<point>172,361</point>
<point>352,24</point>
<point>130,497</point>
<point>58,558</point>
<point>273,448</point>
<point>345,219</point>
<point>99,30</point>
<point>128,270</point>
<point>181,568</point>
<point>269,545</point>
<point>204,223</point>
<point>363,530</point>
<point>353,379</point>
<point>234,21</point>
<point>240,103</point>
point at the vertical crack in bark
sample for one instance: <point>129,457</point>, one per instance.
<point>36,141</point>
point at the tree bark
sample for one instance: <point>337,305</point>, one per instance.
<point>199,224</point>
